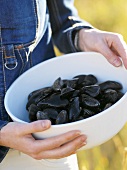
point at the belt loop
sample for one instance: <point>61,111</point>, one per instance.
<point>10,58</point>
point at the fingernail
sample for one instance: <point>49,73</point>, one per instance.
<point>45,124</point>
<point>83,139</point>
<point>84,143</point>
<point>117,62</point>
<point>78,133</point>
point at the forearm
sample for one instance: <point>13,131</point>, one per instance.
<point>3,149</point>
<point>2,124</point>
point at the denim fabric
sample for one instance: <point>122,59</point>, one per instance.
<point>19,23</point>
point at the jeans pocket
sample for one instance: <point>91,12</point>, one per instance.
<point>15,61</point>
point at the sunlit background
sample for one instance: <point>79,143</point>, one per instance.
<point>109,15</point>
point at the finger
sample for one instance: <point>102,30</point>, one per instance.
<point>37,126</point>
<point>121,48</point>
<point>110,56</point>
<point>63,151</point>
<point>57,141</point>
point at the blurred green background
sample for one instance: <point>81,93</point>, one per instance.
<point>109,15</point>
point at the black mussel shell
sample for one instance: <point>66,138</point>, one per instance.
<point>38,95</point>
<point>58,84</point>
<point>74,110</point>
<point>33,92</point>
<point>42,115</point>
<point>70,83</point>
<point>53,101</point>
<point>81,78</point>
<point>32,98</point>
<point>62,117</point>
<point>92,90</point>
<point>70,100</point>
<point>85,80</point>
<point>76,93</point>
<point>87,113</point>
<point>33,109</point>
<point>110,95</point>
<point>52,113</point>
<point>107,106</point>
<point>120,94</point>
<point>91,79</point>
<point>67,92</point>
<point>110,85</point>
<point>90,102</point>
<point>43,94</point>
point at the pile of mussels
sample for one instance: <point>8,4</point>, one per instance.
<point>70,100</point>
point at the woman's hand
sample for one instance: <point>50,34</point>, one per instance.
<point>18,136</point>
<point>109,44</point>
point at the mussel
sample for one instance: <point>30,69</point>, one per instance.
<point>71,100</point>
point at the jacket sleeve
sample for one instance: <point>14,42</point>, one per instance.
<point>64,23</point>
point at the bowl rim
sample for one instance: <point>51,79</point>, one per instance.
<point>66,124</point>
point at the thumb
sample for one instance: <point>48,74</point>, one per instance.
<point>37,126</point>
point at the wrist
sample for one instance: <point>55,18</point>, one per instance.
<point>1,133</point>
<point>79,38</point>
<point>85,38</point>
<point>76,41</point>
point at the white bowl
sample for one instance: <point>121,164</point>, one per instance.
<point>98,128</point>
